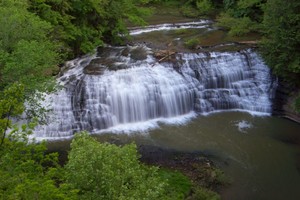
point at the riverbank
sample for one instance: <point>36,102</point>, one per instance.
<point>212,38</point>
<point>203,177</point>
<point>195,165</point>
<point>284,101</point>
<point>252,156</point>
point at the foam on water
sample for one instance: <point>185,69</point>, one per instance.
<point>243,126</point>
<point>144,94</point>
<point>144,127</point>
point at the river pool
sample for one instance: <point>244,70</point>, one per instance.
<point>261,155</point>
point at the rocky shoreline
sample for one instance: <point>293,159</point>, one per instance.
<point>197,166</point>
<point>283,103</point>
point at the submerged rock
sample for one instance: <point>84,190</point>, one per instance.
<point>195,165</point>
<point>138,53</point>
<point>95,67</point>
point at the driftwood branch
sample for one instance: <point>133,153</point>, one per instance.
<point>165,54</point>
<point>163,58</point>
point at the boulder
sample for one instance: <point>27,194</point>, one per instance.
<point>95,67</point>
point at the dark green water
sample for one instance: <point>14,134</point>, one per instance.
<point>261,159</point>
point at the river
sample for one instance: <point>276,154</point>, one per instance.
<point>260,155</point>
<point>218,103</point>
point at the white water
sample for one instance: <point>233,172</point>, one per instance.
<point>163,27</point>
<point>145,93</point>
<point>238,80</point>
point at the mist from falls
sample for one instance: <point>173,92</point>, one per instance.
<point>126,87</point>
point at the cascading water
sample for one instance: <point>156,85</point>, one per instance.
<point>237,80</point>
<point>202,24</point>
<point>125,85</point>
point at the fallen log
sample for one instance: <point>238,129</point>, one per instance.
<point>163,54</point>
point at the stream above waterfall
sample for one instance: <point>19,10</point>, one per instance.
<point>216,102</point>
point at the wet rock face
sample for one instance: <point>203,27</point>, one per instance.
<point>132,52</point>
<point>107,52</point>
<point>96,67</point>
<point>115,58</point>
<point>138,53</point>
<point>284,100</point>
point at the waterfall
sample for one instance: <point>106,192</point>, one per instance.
<point>126,85</point>
<point>236,80</point>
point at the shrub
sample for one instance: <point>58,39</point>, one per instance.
<point>179,186</point>
<point>192,43</point>
<point>204,194</point>
<point>189,11</point>
<point>236,26</point>
<point>106,171</point>
<point>204,6</point>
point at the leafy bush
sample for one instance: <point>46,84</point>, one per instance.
<point>204,6</point>
<point>280,48</point>
<point>192,43</point>
<point>181,31</point>
<point>27,52</point>
<point>106,171</point>
<point>195,8</point>
<point>27,172</point>
<point>179,186</point>
<point>236,26</point>
<point>203,194</point>
<point>189,11</point>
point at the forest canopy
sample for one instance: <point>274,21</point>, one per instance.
<point>36,36</point>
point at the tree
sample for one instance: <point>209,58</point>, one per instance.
<point>280,47</point>
<point>28,56</point>
<point>27,172</point>
<point>106,171</point>
<point>25,47</point>
<point>11,105</point>
<point>242,16</point>
<point>204,6</point>
<point>84,25</point>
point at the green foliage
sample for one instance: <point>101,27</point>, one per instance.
<point>25,47</point>
<point>31,63</point>
<point>200,193</point>
<point>204,6</point>
<point>236,26</point>
<point>280,47</point>
<point>18,24</point>
<point>27,58</point>
<point>219,177</point>
<point>244,4</point>
<point>229,4</point>
<point>84,25</point>
<point>11,105</point>
<point>178,187</point>
<point>195,8</point>
<point>27,172</point>
<point>106,171</point>
<point>192,43</point>
<point>241,17</point>
<point>189,11</point>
